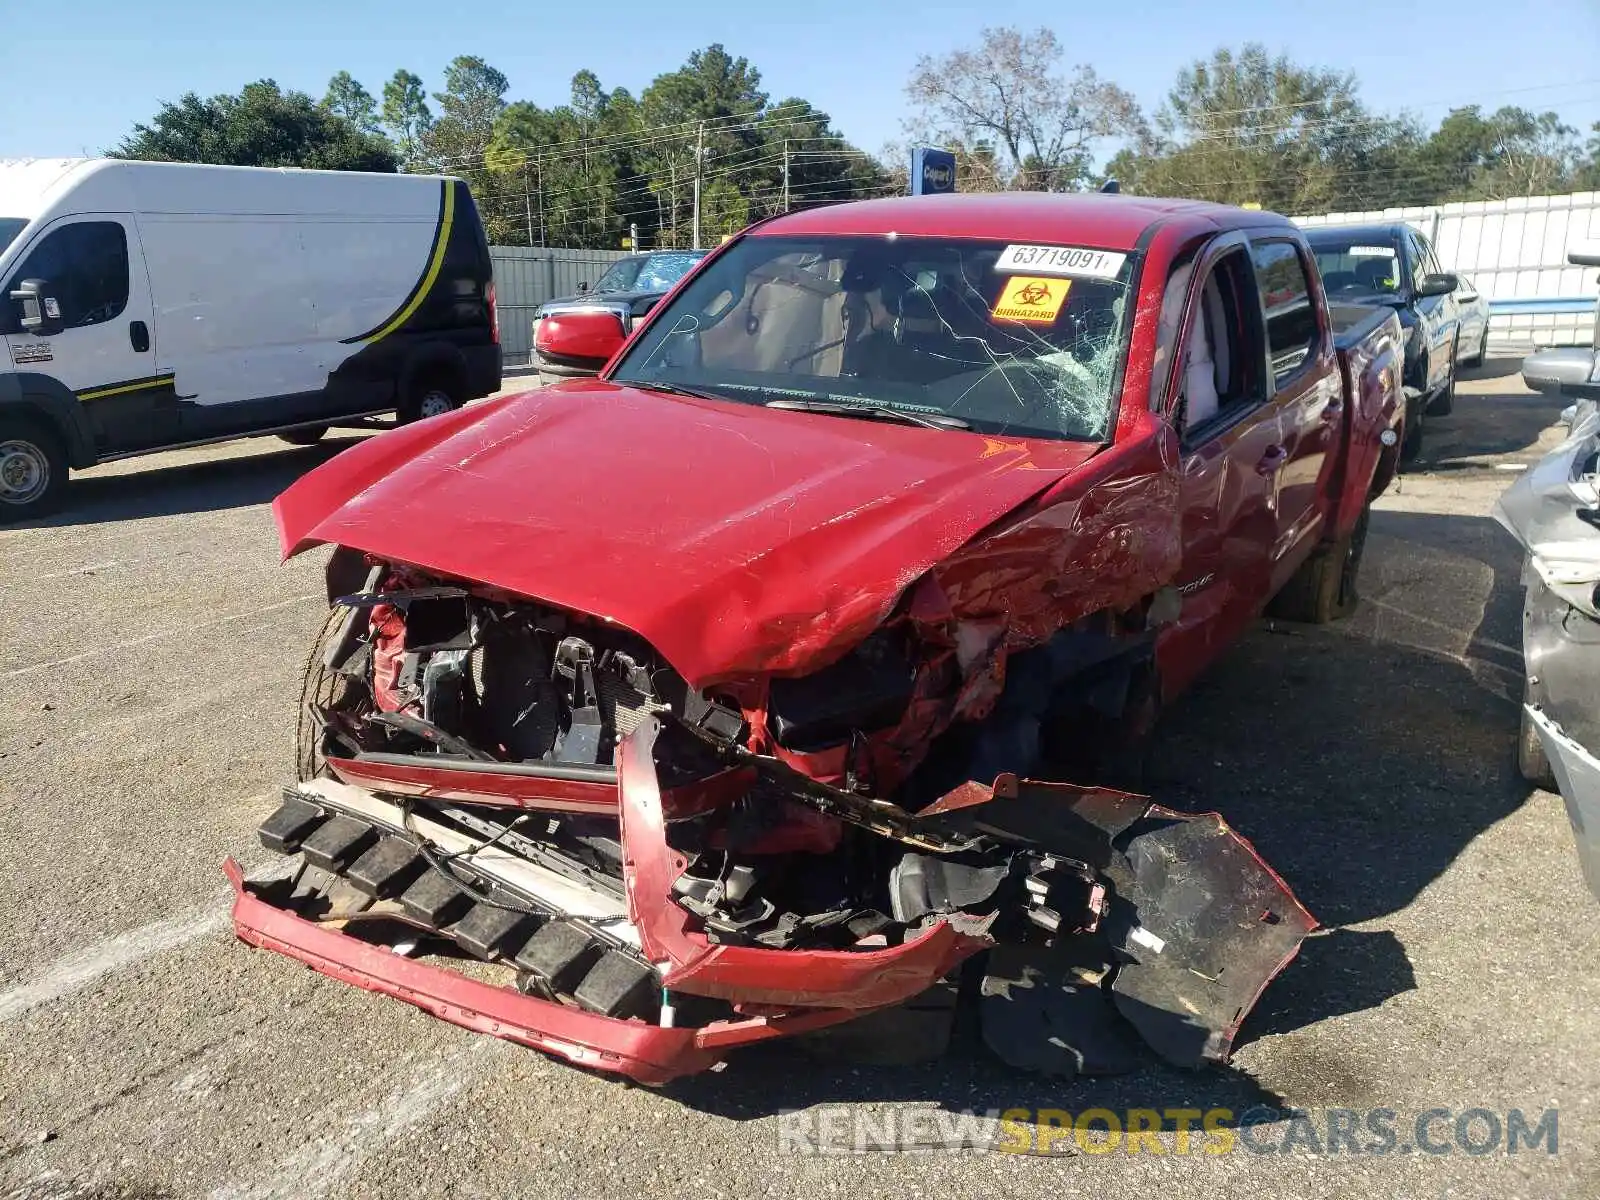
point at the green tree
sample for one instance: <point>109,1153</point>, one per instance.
<point>1510,152</point>
<point>262,126</point>
<point>457,143</point>
<point>1249,127</point>
<point>406,114</point>
<point>348,99</point>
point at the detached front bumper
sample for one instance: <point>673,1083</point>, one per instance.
<point>1162,926</point>
<point>648,1054</point>
<point>1577,775</point>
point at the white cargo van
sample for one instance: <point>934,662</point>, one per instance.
<point>145,306</point>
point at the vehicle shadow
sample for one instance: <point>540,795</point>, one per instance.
<point>1485,426</point>
<point>208,486</point>
<point>1496,366</point>
<point>1359,759</point>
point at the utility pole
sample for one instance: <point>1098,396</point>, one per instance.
<point>699,159</point>
<point>527,197</point>
<point>785,174</point>
<point>540,164</point>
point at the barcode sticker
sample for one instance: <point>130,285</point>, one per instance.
<point>1060,260</point>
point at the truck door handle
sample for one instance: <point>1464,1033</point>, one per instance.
<point>1272,460</point>
<point>139,335</point>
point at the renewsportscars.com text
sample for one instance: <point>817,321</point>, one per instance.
<point>848,1129</point>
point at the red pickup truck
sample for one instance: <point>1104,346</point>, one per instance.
<point>781,675</point>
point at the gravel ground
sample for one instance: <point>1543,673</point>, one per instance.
<point>149,647</point>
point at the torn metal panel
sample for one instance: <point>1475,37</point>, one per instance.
<point>1577,773</point>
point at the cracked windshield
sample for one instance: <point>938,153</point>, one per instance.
<point>952,333</point>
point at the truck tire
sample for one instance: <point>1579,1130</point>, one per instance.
<point>33,468</point>
<point>1324,588</point>
<point>319,688</point>
<point>1411,440</point>
<point>1532,764</point>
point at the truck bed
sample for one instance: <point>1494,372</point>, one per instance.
<point>1352,323</point>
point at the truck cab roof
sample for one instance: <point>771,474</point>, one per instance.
<point>1112,221</point>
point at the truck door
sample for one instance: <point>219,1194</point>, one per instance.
<point>1307,392</point>
<point>1232,446</point>
<point>100,344</point>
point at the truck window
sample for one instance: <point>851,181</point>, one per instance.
<point>1221,372</point>
<point>1286,299</point>
<point>86,265</point>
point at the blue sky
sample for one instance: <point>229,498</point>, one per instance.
<point>80,75</point>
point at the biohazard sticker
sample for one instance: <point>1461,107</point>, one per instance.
<point>1035,299</point>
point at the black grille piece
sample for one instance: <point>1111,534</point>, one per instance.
<point>286,828</point>
<point>338,843</point>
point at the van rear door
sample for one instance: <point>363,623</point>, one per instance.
<point>98,342</point>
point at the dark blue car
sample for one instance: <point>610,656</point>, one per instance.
<point>1394,265</point>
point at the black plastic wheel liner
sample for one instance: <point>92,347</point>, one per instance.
<point>1205,925</point>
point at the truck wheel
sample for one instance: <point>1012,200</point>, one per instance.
<point>1532,764</point>
<point>1411,443</point>
<point>1324,588</point>
<point>430,394</point>
<point>33,469</point>
<point>304,437</point>
<point>320,688</point>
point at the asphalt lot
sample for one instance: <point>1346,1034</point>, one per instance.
<point>150,644</point>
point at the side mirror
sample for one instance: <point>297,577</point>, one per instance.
<point>1438,285</point>
<point>1587,257</point>
<point>583,287</point>
<point>41,312</point>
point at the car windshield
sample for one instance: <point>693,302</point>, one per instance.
<point>9,228</point>
<point>661,271</point>
<point>1353,265</point>
<point>1026,340</point>
<point>620,275</point>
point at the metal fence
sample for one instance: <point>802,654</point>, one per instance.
<point>1515,252</point>
<point>526,276</point>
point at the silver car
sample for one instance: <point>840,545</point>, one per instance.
<point>1553,510</point>
<point>1472,338</point>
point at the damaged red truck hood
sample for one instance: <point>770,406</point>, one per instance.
<point>736,539</point>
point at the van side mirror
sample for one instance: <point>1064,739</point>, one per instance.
<point>1438,285</point>
<point>583,287</point>
<point>41,312</point>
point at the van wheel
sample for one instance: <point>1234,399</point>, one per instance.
<point>431,394</point>
<point>1324,588</point>
<point>304,437</point>
<point>33,469</point>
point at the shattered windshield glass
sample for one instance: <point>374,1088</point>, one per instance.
<point>983,335</point>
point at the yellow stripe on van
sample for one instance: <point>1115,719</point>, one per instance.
<point>435,263</point>
<point>119,389</point>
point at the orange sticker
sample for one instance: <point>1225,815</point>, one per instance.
<point>1031,298</point>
